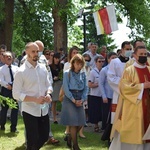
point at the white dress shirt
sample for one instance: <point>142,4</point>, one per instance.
<point>5,77</point>
<point>31,81</point>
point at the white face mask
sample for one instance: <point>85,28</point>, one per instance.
<point>128,53</point>
<point>40,53</point>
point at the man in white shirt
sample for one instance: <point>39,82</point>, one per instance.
<point>115,72</point>
<point>7,72</point>
<point>33,88</point>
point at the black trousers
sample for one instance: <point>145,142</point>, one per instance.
<point>105,112</point>
<point>37,130</point>
<point>13,117</point>
<point>4,108</point>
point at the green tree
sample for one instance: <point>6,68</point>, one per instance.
<point>52,22</point>
<point>6,22</point>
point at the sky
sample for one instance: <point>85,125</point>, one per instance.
<point>121,34</point>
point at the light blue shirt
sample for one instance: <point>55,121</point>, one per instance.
<point>106,90</point>
<point>74,81</point>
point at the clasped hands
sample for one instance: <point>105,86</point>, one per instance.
<point>78,103</point>
<point>44,99</point>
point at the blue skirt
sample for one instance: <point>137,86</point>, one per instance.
<point>72,115</point>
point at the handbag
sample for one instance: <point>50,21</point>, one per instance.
<point>61,92</point>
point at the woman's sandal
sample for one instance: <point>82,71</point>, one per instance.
<point>96,129</point>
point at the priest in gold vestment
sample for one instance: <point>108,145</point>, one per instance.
<point>135,116</point>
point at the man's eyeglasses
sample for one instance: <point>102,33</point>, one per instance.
<point>47,54</point>
<point>7,56</point>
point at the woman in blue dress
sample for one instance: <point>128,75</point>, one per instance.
<point>75,88</point>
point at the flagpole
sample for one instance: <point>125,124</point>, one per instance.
<point>84,13</point>
<point>84,30</point>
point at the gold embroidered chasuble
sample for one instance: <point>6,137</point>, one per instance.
<point>131,121</point>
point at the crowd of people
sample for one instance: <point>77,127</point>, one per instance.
<point>107,89</point>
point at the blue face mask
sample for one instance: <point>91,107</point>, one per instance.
<point>87,63</point>
<point>40,53</point>
<point>128,53</point>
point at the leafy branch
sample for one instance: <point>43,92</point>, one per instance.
<point>9,101</point>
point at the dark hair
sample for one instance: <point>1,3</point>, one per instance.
<point>110,54</point>
<point>87,55</point>
<point>56,55</point>
<point>2,46</point>
<point>125,43</point>
<point>139,47</point>
<point>61,49</point>
<point>118,50</point>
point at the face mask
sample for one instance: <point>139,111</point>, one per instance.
<point>87,63</point>
<point>128,53</point>
<point>40,53</point>
<point>142,59</point>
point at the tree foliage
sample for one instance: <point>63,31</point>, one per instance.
<point>33,20</point>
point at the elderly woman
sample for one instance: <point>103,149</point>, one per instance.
<point>75,88</point>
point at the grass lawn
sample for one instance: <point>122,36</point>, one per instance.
<point>10,141</point>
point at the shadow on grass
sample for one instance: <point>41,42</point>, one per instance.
<point>22,147</point>
<point>8,134</point>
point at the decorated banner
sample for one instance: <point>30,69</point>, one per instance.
<point>105,20</point>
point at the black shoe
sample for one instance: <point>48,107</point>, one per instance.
<point>14,131</point>
<point>76,147</point>
<point>55,122</point>
<point>2,128</point>
<point>86,125</point>
<point>69,142</point>
<point>65,138</point>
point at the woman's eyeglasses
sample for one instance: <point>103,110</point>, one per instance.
<point>87,60</point>
<point>101,61</point>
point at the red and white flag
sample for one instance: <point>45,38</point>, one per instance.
<point>105,20</point>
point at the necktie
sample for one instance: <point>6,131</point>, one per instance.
<point>11,74</point>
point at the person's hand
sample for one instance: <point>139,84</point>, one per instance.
<point>105,100</point>
<point>40,100</point>
<point>55,78</point>
<point>96,84</point>
<point>9,87</point>
<point>146,84</point>
<point>78,103</point>
<point>48,98</point>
